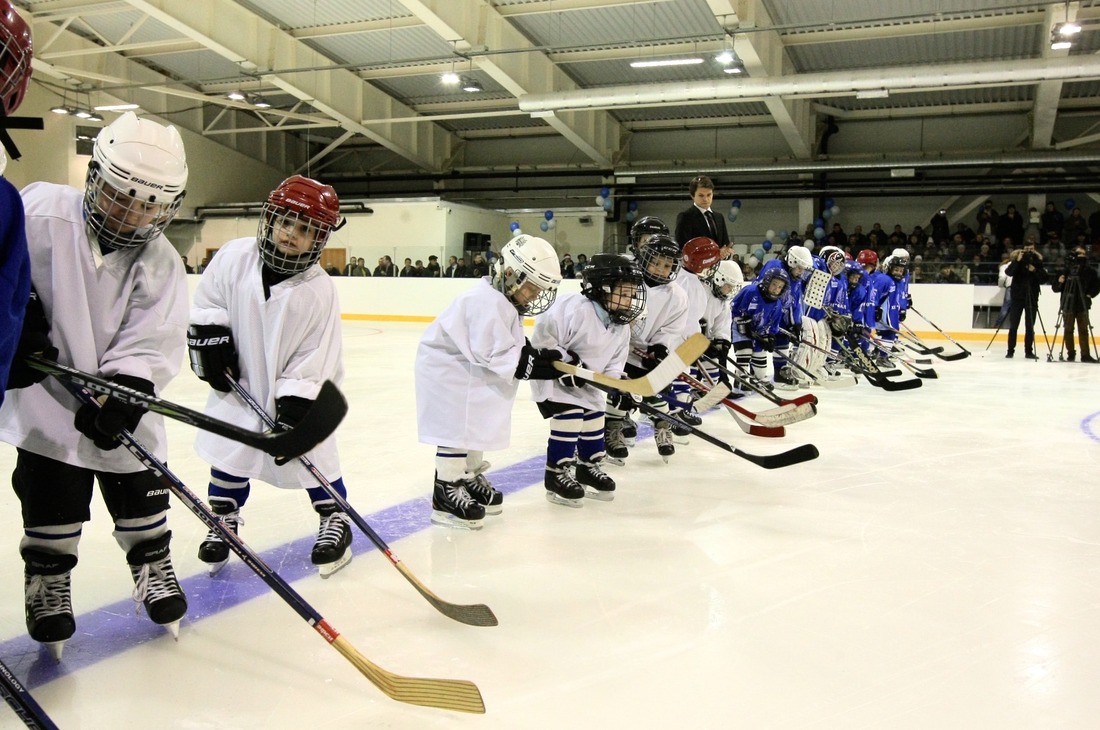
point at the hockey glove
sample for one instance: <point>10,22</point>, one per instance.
<point>537,363</point>
<point>212,352</point>
<point>743,325</point>
<point>908,300</point>
<point>653,356</point>
<point>901,315</point>
<point>840,324</point>
<point>767,342</point>
<point>103,424</point>
<point>624,402</point>
<point>568,380</point>
<point>878,314</point>
<point>796,333</point>
<point>289,412</point>
<point>718,351</point>
<point>33,340</point>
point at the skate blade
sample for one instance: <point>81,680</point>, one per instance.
<point>56,648</point>
<point>446,519</point>
<point>493,509</point>
<point>666,457</point>
<point>215,568</point>
<point>327,569</point>
<point>630,440</point>
<point>786,386</point>
<point>614,460</point>
<point>555,498</point>
<point>681,439</point>
<point>598,495</point>
<point>173,628</point>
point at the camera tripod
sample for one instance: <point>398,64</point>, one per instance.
<point>1074,304</point>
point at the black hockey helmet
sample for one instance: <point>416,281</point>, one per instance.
<point>658,247</point>
<point>643,228</point>
<point>615,283</point>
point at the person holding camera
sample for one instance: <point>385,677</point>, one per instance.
<point>1028,274</point>
<point>1078,284</point>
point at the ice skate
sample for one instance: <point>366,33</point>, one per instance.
<point>662,434</point>
<point>155,583</point>
<point>785,378</point>
<point>214,551</point>
<point>47,588</point>
<point>597,484</point>
<point>483,492</point>
<point>615,442</point>
<point>630,431</point>
<point>332,550</point>
<point>452,506</point>
<point>562,488</point>
<point>681,431</point>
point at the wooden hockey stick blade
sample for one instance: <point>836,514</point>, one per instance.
<point>753,429</point>
<point>319,422</point>
<point>448,694</point>
<point>785,415</point>
<point>474,615</point>
<point>656,379</point>
<point>714,396</point>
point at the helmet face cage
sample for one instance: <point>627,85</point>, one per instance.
<point>295,224</point>
<point>895,262</point>
<point>650,256</point>
<point>834,262</point>
<point>135,182</point>
<point>799,256</point>
<point>770,276</point>
<point>701,256</point>
<point>727,273</point>
<point>643,229</point>
<point>15,58</point>
<point>531,261</point>
<point>854,268</point>
<point>616,284</point>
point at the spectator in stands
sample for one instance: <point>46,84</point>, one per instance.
<point>567,268</point>
<point>186,266</point>
<point>1010,225</point>
<point>408,269</point>
<point>987,219</point>
<point>479,267</point>
<point>965,231</point>
<point>582,262</point>
<point>941,226</point>
<point>1075,224</point>
<point>1050,223</point>
<point>434,271</point>
<point>360,268</point>
<point>1094,226</point>
<point>455,270</point>
<point>385,267</point>
<point>1004,281</point>
<point>948,275</point>
<point>420,270</point>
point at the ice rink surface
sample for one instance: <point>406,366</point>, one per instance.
<point>937,567</point>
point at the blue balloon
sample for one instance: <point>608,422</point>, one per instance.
<point>605,192</point>
<point>783,235</point>
<point>829,202</point>
<point>1070,203</point>
<point>819,222</point>
<point>631,215</point>
<point>544,226</point>
<point>819,233</point>
<point>736,203</point>
<point>827,214</point>
<point>514,225</point>
<point>632,205</point>
<point>732,215</point>
<point>607,204</point>
<point>549,215</point>
<point>759,253</point>
<point>767,245</point>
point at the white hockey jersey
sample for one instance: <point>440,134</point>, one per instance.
<point>663,320</point>
<point>465,368</point>
<point>697,292</point>
<point>578,324</point>
<point>288,344</point>
<point>123,313</point>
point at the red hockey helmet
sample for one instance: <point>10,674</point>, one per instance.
<point>868,257</point>
<point>15,57</point>
<point>295,224</point>
<point>701,255</point>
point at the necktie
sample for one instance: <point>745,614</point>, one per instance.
<point>710,223</point>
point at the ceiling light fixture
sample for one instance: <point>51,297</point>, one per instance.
<point>471,85</point>
<point>61,109</point>
<point>259,102</point>
<point>666,62</point>
<point>450,78</point>
<point>94,117</point>
<point>235,95</point>
<point>736,67</point>
<point>873,94</point>
<point>116,107</point>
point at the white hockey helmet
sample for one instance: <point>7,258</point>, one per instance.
<point>135,181</point>
<point>727,280</point>
<point>799,256</point>
<point>901,253</point>
<point>833,258</point>
<point>528,260</point>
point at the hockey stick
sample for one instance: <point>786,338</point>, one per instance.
<point>448,694</point>
<point>474,615</point>
<point>319,422</point>
<point>797,455</point>
<point>22,703</point>
<point>749,380</point>
<point>656,379</point>
<point>936,327</point>
<point>912,337</point>
<point>858,360</point>
<point>814,377</point>
<point>881,344</point>
<point>753,429</point>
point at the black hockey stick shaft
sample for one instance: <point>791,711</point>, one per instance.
<point>937,328</point>
<point>22,703</point>
<point>473,615</point>
<point>796,455</point>
<point>732,408</point>
<point>858,360</point>
<point>319,422</point>
<point>910,335</point>
<point>750,380</point>
<point>458,695</point>
<point>881,345</point>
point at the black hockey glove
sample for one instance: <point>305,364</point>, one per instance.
<point>212,352</point>
<point>718,351</point>
<point>908,300</point>
<point>878,314</point>
<point>901,315</point>
<point>796,333</point>
<point>624,402</point>
<point>568,380</point>
<point>840,324</point>
<point>653,356</point>
<point>289,412</point>
<point>743,325</point>
<point>103,424</point>
<point>767,342</point>
<point>537,363</point>
<point>33,340</point>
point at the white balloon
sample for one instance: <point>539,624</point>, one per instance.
<point>752,261</point>
<point>517,232</point>
<point>600,200</point>
<point>809,245</point>
<point>552,223</point>
<point>770,235</point>
<point>835,209</point>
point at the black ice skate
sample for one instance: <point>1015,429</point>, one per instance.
<point>662,434</point>
<point>214,551</point>
<point>630,431</point>
<point>332,550</point>
<point>785,378</point>
<point>452,506</point>
<point>562,488</point>
<point>597,484</point>
<point>47,588</point>
<point>155,583</point>
<point>614,441</point>
<point>483,492</point>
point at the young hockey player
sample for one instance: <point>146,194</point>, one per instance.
<point>858,300</point>
<point>655,334</point>
<point>889,298</point>
<point>726,282</point>
<point>705,313</point>
<point>798,263</point>
<point>594,327</point>
<point>905,299</point>
<point>15,268</point>
<point>267,313</point>
<point>818,322</point>
<point>468,365</point>
<point>113,302</point>
<point>757,314</point>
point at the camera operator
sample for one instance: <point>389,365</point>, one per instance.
<point>1079,283</point>
<point>1027,272</point>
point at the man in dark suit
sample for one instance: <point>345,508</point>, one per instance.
<point>699,219</point>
